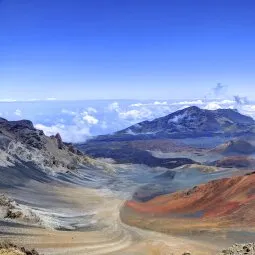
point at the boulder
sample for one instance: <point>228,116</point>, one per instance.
<point>59,141</point>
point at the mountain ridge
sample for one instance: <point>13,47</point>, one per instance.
<point>185,120</point>
<point>22,144</point>
<point>189,122</point>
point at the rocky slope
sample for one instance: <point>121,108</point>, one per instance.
<point>7,248</point>
<point>236,162</point>
<point>15,212</point>
<point>22,144</point>
<point>219,204</point>
<point>236,147</point>
<point>240,249</point>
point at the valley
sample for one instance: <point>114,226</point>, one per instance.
<point>131,196</point>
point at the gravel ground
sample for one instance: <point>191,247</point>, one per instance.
<point>240,249</point>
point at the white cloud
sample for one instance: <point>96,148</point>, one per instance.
<point>136,115</point>
<point>149,104</point>
<point>8,100</point>
<point>114,106</point>
<point>160,103</point>
<point>140,111</point>
<point>248,110</point>
<point>69,133</point>
<point>194,102</point>
<point>91,110</point>
<point>11,100</point>
<point>18,112</point>
<point>212,106</point>
<point>80,117</point>
<point>137,105</point>
<point>76,129</point>
<point>226,101</point>
<point>50,130</point>
<point>68,112</point>
<point>183,107</point>
<point>89,118</point>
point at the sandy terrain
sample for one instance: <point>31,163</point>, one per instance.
<point>107,236</point>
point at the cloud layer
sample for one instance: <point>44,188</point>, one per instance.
<point>78,120</point>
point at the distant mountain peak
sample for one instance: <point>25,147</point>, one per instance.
<point>193,121</point>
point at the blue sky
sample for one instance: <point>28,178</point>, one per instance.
<point>128,49</point>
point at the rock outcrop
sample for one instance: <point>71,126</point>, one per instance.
<point>7,248</point>
<point>236,249</point>
<point>21,143</point>
<point>11,210</point>
<point>59,141</point>
<point>240,249</point>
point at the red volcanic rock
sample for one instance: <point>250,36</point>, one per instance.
<point>229,200</point>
